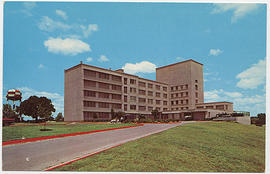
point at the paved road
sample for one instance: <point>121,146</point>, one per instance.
<point>43,154</point>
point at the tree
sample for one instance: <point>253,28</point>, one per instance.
<point>59,117</point>
<point>37,107</point>
<point>119,114</point>
<point>8,112</point>
<point>155,113</point>
<point>261,118</point>
<point>112,113</point>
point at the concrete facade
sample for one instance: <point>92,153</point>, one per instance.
<point>91,92</point>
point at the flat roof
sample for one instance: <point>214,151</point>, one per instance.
<point>166,66</point>
<point>213,103</point>
<point>113,71</point>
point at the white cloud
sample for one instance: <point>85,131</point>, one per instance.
<point>66,46</point>
<point>252,103</point>
<point>252,77</point>
<point>49,25</point>
<point>61,14</point>
<point>215,52</point>
<point>57,99</point>
<point>89,59</point>
<point>88,30</point>
<point>103,59</point>
<point>27,7</point>
<point>143,67</point>
<point>233,94</point>
<point>239,10</point>
<point>40,66</point>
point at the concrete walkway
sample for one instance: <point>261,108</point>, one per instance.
<point>37,156</point>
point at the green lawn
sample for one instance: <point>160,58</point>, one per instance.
<point>198,147</point>
<point>16,133</point>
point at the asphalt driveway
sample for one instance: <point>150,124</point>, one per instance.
<point>37,156</point>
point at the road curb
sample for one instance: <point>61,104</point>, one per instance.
<point>63,135</point>
<point>77,159</point>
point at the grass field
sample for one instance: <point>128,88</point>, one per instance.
<point>198,147</point>
<point>16,133</point>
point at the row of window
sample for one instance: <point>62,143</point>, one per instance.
<point>88,93</point>
<point>182,108</point>
<point>91,73</point>
<point>182,102</point>
<point>101,105</point>
<point>94,115</point>
<point>143,108</point>
<point>89,83</point>
<point>143,92</point>
<point>221,107</point>
<point>144,84</point>
<point>181,87</point>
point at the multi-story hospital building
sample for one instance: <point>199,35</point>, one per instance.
<point>91,92</point>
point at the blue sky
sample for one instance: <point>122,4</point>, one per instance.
<point>44,38</point>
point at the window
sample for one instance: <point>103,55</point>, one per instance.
<point>164,88</point>
<point>196,87</point>
<point>103,76</point>
<point>142,108</point>
<point>164,95</point>
<point>103,105</point>
<point>171,95</point>
<point>132,107</point>
<point>186,94</point>
<point>142,100</point>
<point>104,85</point>
<point>133,81</point>
<point>150,108</point>
<point>182,87</point>
<point>89,83</point>
<point>196,94</point>
<point>133,98</point>
<point>142,84</point>
<point>150,101</point>
<point>125,107</point>
<point>89,73</point>
<point>125,81</point>
<point>165,109</point>
<point>165,102</point>
<point>171,88</point>
<point>196,101</point>
<point>116,87</point>
<point>150,93</point>
<point>125,98</point>
<point>176,88</point>
<point>116,106</point>
<point>187,102</point>
<point>172,102</point>
<point>103,115</point>
<point>103,95</point>
<point>158,108</point>
<point>89,104</point>
<point>142,92</point>
<point>157,94</point>
<point>89,93</point>
<point>186,86</point>
<point>196,81</point>
<point>199,107</point>
<point>150,85</point>
<point>116,96</point>
<point>125,89</point>
<point>182,101</point>
<point>132,90</point>
<point>176,102</point>
<point>157,87</point>
<point>116,78</point>
<point>158,102</point>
